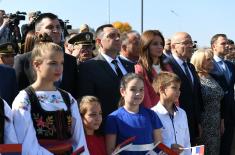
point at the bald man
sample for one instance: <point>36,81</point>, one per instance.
<point>190,98</point>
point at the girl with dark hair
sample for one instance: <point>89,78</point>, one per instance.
<point>131,119</point>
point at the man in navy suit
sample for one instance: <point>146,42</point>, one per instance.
<point>8,84</point>
<point>190,97</point>
<point>224,73</point>
<point>47,23</point>
<point>100,76</point>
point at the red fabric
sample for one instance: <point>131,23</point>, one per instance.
<point>151,98</point>
<point>96,145</point>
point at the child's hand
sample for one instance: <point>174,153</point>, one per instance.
<point>177,148</point>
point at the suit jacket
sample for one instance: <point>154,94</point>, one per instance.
<point>25,75</point>
<point>8,84</point>
<point>97,78</point>
<point>130,65</point>
<point>227,104</point>
<point>190,98</point>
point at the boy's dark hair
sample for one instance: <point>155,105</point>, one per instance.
<point>164,79</point>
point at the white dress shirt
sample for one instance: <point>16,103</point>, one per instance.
<point>9,130</point>
<point>109,60</point>
<point>175,129</point>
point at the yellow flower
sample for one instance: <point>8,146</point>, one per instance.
<point>122,27</point>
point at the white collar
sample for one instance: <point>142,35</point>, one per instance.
<point>217,59</point>
<point>178,60</point>
<point>162,109</point>
<point>107,58</point>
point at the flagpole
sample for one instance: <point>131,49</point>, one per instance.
<point>142,16</point>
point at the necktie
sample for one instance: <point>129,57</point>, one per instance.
<point>118,70</point>
<point>224,69</point>
<point>187,73</point>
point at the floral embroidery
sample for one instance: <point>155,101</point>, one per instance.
<point>42,98</point>
<point>47,127</point>
<point>69,118</point>
<point>40,123</point>
<point>55,99</point>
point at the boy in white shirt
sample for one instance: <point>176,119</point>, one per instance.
<point>175,132</point>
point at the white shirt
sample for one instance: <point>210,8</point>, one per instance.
<point>49,101</point>
<point>179,131</point>
<point>218,60</point>
<point>180,62</point>
<point>157,68</point>
<point>109,60</point>
<point>9,130</point>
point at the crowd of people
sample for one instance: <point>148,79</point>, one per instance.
<point>96,90</point>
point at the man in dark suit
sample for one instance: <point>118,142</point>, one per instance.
<point>190,98</point>
<point>224,73</point>
<point>8,84</point>
<point>100,76</point>
<point>47,23</point>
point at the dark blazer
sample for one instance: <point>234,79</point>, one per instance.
<point>190,98</point>
<point>130,65</point>
<point>227,104</point>
<point>25,75</point>
<point>228,111</point>
<point>97,78</point>
<point>8,84</point>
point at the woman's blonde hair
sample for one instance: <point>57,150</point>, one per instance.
<point>87,101</point>
<point>43,44</point>
<point>198,59</point>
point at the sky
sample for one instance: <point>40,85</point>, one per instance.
<point>200,18</point>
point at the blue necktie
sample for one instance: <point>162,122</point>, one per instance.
<point>187,73</point>
<point>224,69</point>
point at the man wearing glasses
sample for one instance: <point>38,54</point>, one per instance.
<point>190,97</point>
<point>101,75</point>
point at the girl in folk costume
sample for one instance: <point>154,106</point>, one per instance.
<point>151,63</point>
<point>132,120</point>
<point>91,114</point>
<point>46,118</point>
<point>7,130</point>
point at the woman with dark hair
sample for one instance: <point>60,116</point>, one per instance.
<point>29,42</point>
<point>151,63</point>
